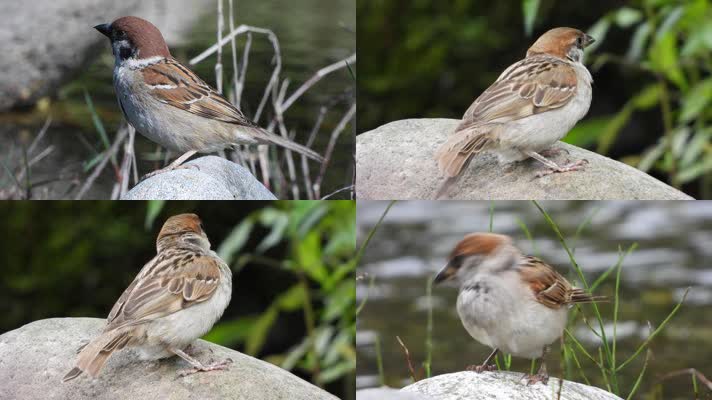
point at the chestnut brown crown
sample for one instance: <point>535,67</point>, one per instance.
<point>559,42</point>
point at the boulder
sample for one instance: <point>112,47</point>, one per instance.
<point>395,161</point>
<point>35,357</point>
<point>386,393</point>
<point>502,385</point>
<point>205,178</point>
<point>44,42</point>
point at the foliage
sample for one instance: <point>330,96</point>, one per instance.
<point>320,237</point>
<point>670,44</point>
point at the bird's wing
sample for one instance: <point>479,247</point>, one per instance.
<point>163,290</point>
<point>172,83</point>
<point>550,287</point>
<point>531,86</point>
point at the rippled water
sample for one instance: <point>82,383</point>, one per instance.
<point>674,252</point>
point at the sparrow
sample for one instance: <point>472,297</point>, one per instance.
<point>169,104</point>
<point>175,299</point>
<point>509,301</point>
<point>533,104</point>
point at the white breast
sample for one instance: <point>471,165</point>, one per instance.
<point>538,132</point>
<point>183,327</point>
<point>494,312</point>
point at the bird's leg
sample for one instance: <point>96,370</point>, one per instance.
<point>173,166</point>
<point>197,366</point>
<point>553,151</point>
<point>542,375</point>
<point>485,366</point>
<point>554,167</point>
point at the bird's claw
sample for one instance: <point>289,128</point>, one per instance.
<point>206,368</point>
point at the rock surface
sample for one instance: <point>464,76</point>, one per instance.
<point>468,385</point>
<point>395,161</point>
<point>215,179</point>
<point>44,42</point>
<point>386,393</point>
<point>35,357</point>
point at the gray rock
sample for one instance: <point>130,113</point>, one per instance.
<point>44,42</point>
<point>215,179</point>
<point>35,357</point>
<point>395,161</point>
<point>386,393</point>
<point>502,385</point>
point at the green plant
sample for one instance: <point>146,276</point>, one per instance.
<point>320,237</point>
<point>670,45</point>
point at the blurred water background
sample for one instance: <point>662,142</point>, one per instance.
<point>674,252</point>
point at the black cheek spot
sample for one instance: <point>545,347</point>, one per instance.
<point>125,53</point>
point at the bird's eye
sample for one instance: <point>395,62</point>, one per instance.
<point>120,34</point>
<point>579,41</point>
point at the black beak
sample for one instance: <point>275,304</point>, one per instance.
<point>104,29</point>
<point>445,274</point>
<point>588,40</point>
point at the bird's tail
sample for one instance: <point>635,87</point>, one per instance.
<point>93,356</point>
<point>269,137</point>
<point>454,155</point>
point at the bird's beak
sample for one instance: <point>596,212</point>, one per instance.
<point>445,274</point>
<point>588,40</point>
<point>104,29</point>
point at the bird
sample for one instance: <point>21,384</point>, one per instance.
<point>534,103</point>
<point>175,299</point>
<point>509,301</point>
<point>169,104</point>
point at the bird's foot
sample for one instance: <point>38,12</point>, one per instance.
<point>168,169</point>
<point>222,365</point>
<point>542,377</point>
<point>481,368</point>
<point>575,166</point>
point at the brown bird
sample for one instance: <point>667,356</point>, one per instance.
<point>169,104</point>
<point>174,300</point>
<point>509,301</point>
<point>534,103</point>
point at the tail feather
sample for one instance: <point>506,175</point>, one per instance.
<point>95,354</point>
<point>269,137</point>
<point>457,151</point>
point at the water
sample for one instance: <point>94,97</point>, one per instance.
<point>674,252</point>
<point>312,35</point>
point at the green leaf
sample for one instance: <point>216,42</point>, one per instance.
<point>308,257</point>
<point>529,9</point>
<point>340,300</point>
<point>296,354</point>
<point>598,31</point>
<point>696,146</point>
<point>694,171</point>
<point>648,97</point>
<point>292,299</point>
<point>651,156</point>
<point>279,226</point>
<point>587,131</point>
<point>664,58</point>
<point>337,371</point>
<point>626,16</point>
<point>608,136</point>
<point>260,329</point>
<point>679,139</point>
<point>637,44</point>
<point>235,240</point>
<point>696,100</point>
<point>153,208</point>
<point>226,333</point>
